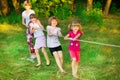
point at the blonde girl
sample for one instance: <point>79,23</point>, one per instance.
<point>75,31</point>
<point>25,20</point>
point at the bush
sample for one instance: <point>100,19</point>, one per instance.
<point>94,15</point>
<point>62,11</point>
<point>13,18</point>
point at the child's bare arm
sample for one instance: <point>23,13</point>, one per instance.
<point>49,33</point>
<point>42,27</point>
<point>32,30</point>
<point>76,37</point>
<point>23,22</point>
<point>59,33</point>
<point>67,37</point>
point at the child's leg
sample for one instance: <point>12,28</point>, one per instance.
<point>31,48</point>
<point>38,57</point>
<point>60,56</point>
<point>77,61</point>
<point>46,56</point>
<point>76,67</point>
<point>57,59</point>
<point>73,66</point>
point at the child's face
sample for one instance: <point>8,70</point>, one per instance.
<point>54,22</point>
<point>75,28</point>
<point>33,19</point>
<point>27,6</point>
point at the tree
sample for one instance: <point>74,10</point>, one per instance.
<point>72,6</point>
<point>107,7</point>
<point>16,5</point>
<point>89,5</point>
<point>4,7</point>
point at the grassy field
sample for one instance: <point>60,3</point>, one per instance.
<point>97,62</point>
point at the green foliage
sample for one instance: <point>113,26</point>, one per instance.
<point>97,5</point>
<point>62,11</point>
<point>113,8</point>
<point>12,18</point>
<point>95,15</point>
<point>46,8</point>
<point>81,13</point>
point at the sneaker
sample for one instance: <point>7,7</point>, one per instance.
<point>31,59</point>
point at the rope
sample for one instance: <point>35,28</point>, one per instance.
<point>91,42</point>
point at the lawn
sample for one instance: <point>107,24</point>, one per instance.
<point>98,62</point>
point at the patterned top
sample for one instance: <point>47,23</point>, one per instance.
<point>74,45</point>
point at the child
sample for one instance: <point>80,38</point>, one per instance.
<point>40,42</point>
<point>25,20</point>
<point>74,47</point>
<point>53,32</point>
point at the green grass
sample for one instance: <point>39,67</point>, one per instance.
<point>97,62</point>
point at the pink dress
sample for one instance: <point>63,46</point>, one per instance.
<point>74,46</point>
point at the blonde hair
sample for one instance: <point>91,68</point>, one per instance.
<point>75,23</point>
<point>27,2</point>
<point>51,18</point>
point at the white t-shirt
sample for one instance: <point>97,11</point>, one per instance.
<point>37,32</point>
<point>27,16</point>
<point>53,41</point>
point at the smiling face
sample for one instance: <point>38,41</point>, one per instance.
<point>27,6</point>
<point>33,18</point>
<point>75,28</point>
<point>54,23</point>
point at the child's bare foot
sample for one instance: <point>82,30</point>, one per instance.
<point>37,65</point>
<point>48,63</point>
<point>63,72</point>
<point>75,76</point>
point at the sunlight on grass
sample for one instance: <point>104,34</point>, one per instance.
<point>98,62</point>
<point>7,27</point>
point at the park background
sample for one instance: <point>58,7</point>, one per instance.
<point>100,20</point>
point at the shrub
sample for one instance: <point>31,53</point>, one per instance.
<point>94,15</point>
<point>62,11</point>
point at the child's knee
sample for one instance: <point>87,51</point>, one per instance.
<point>73,59</point>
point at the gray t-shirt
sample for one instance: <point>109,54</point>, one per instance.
<point>53,41</point>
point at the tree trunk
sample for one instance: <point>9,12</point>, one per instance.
<point>89,5</point>
<point>4,7</point>
<point>16,5</point>
<point>72,6</point>
<point>107,7</point>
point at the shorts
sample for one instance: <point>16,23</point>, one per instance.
<point>59,48</point>
<point>75,54</point>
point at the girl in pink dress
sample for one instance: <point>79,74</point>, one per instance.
<point>75,31</point>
